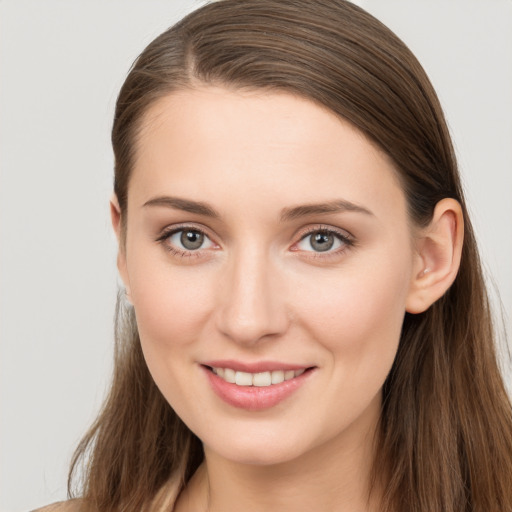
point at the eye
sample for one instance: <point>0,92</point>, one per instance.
<point>185,240</point>
<point>323,240</point>
<point>189,239</point>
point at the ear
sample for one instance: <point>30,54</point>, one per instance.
<point>115,215</point>
<point>439,249</point>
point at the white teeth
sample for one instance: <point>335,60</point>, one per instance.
<point>289,374</point>
<point>261,379</point>
<point>229,375</point>
<point>277,376</point>
<point>243,379</point>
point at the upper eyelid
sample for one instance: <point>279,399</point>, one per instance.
<point>326,229</point>
<point>169,230</point>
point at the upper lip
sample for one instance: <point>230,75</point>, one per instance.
<point>255,367</point>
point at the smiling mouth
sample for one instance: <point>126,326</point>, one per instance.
<point>261,379</point>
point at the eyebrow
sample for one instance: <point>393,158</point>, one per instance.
<point>287,214</point>
<point>335,206</point>
<point>186,205</point>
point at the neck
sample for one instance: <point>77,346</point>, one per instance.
<point>314,481</point>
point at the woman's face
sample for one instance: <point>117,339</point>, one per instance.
<point>265,236</point>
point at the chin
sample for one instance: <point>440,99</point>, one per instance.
<point>260,456</point>
<point>258,450</point>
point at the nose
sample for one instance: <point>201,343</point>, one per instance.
<point>252,305</point>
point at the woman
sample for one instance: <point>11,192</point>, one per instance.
<point>305,324</point>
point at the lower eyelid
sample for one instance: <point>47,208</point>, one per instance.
<point>181,253</point>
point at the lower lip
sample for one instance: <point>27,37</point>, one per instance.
<point>255,398</point>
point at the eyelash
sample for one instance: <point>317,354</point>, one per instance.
<point>347,241</point>
<point>167,233</point>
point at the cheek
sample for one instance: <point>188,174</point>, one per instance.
<point>358,323</point>
<point>172,307</point>
<point>357,316</point>
<point>171,302</point>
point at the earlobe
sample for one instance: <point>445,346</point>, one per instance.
<point>439,249</point>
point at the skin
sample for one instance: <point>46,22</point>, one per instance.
<point>257,290</point>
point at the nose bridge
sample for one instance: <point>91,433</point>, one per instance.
<point>251,305</point>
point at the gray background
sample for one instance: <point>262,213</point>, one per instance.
<point>61,65</point>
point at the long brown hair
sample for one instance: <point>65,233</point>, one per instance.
<point>445,436</point>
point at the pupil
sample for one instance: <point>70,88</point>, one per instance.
<point>322,242</point>
<point>191,239</point>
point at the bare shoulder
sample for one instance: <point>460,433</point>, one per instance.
<point>63,506</point>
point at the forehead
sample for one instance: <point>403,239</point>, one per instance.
<point>271,146</point>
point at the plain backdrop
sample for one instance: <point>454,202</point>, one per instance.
<point>61,65</point>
